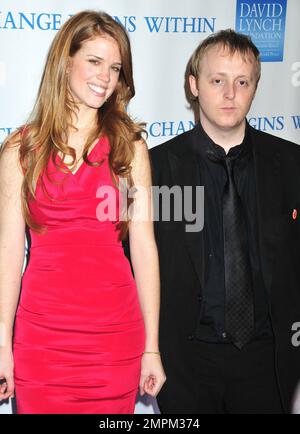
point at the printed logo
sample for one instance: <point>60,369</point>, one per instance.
<point>264,21</point>
<point>275,123</point>
<point>168,128</point>
<point>14,20</point>
<point>4,132</point>
<point>265,123</point>
<point>296,121</point>
<point>180,24</point>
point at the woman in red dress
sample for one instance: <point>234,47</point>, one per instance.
<point>84,335</point>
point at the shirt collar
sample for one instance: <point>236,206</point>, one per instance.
<point>207,146</point>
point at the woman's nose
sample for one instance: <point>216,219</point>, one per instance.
<point>104,74</point>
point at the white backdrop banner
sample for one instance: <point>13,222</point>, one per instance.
<point>163,33</point>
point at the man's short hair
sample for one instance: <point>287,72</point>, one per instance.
<point>229,39</point>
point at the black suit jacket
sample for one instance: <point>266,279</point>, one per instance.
<point>182,259</point>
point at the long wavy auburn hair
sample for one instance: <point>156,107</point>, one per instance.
<point>45,133</point>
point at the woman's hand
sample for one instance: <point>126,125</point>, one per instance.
<point>7,386</point>
<point>152,374</point>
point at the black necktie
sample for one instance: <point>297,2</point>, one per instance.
<point>239,306</point>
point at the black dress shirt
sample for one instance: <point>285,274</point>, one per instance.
<point>211,326</point>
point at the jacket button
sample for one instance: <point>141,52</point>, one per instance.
<point>199,298</point>
<point>190,337</point>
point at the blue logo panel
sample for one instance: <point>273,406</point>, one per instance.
<point>264,21</point>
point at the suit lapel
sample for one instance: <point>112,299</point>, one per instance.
<point>269,202</point>
<point>185,171</point>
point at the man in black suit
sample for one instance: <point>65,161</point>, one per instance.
<point>230,293</point>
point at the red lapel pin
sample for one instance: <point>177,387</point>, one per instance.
<point>294,214</point>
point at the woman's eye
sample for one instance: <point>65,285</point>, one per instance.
<point>116,68</point>
<point>94,61</point>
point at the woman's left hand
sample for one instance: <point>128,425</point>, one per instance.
<point>152,374</point>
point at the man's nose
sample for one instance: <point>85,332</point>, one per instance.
<point>229,90</point>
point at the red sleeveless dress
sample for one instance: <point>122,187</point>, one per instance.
<point>79,333</point>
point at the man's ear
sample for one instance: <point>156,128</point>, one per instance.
<point>193,85</point>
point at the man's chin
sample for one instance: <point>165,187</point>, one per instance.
<point>230,125</point>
